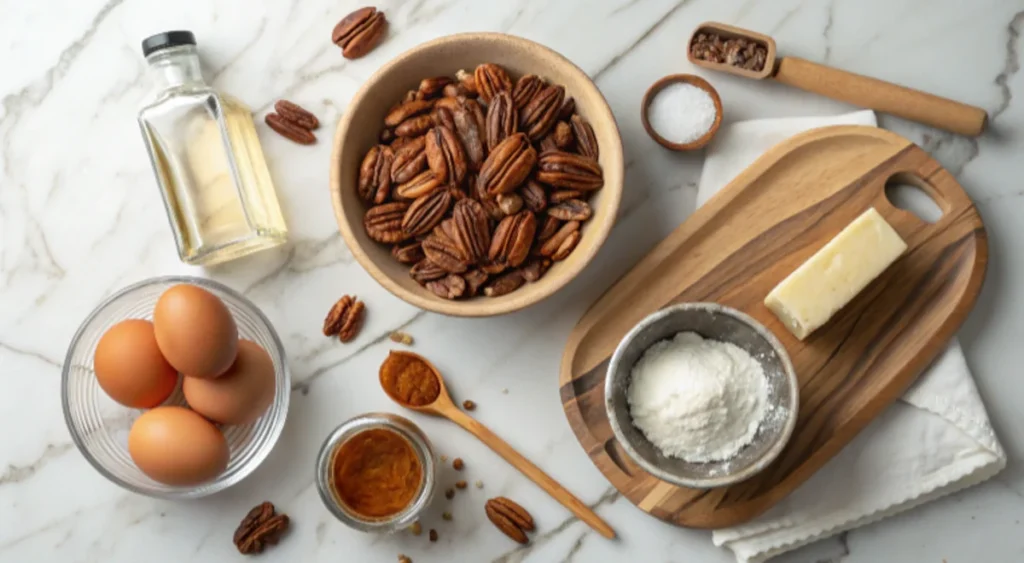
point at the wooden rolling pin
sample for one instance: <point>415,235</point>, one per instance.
<point>856,89</point>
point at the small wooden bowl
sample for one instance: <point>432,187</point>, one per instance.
<point>360,125</point>
<point>688,79</point>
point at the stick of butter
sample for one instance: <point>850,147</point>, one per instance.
<point>831,278</point>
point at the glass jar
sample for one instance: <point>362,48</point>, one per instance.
<point>421,447</point>
<point>208,162</point>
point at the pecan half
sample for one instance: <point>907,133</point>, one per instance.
<point>511,241</point>
<point>410,159</point>
<point>425,213</point>
<point>513,520</point>
<point>444,252</point>
<point>558,196</point>
<point>586,141</point>
<point>568,109</point>
<point>502,119</point>
<point>467,80</point>
<point>375,174</point>
<point>472,229</point>
<point>289,130</point>
<point>409,253</point>
<point>451,286</point>
<point>535,198</point>
<point>525,89</point>
<point>475,279</point>
<point>567,170</point>
<point>507,165</point>
<point>415,126</point>
<point>345,318</point>
<point>445,156</point>
<point>443,117</point>
<point>469,126</point>
<point>296,114</point>
<point>562,242</point>
<point>541,113</point>
<point>535,269</point>
<point>491,79</point>
<point>405,110</point>
<point>425,271</point>
<point>418,186</point>
<point>359,32</point>
<point>433,87</point>
<point>505,284</point>
<point>571,210</point>
<point>383,223</point>
<point>548,227</point>
<point>262,526</point>
<point>510,204</point>
<point>562,135</point>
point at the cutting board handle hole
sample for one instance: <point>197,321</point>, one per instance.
<point>907,193</point>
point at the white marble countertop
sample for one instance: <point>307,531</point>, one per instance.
<point>80,217</point>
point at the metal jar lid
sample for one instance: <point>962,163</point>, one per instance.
<point>325,474</point>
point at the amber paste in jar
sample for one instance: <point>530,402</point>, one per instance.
<point>409,380</point>
<point>377,473</point>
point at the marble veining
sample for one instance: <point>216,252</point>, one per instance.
<point>80,217</point>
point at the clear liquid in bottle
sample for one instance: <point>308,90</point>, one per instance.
<point>207,157</point>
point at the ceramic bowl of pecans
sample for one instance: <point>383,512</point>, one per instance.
<point>476,174</point>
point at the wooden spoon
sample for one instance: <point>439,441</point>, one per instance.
<point>443,406</point>
<point>848,87</point>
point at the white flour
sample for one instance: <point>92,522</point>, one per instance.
<point>696,399</point>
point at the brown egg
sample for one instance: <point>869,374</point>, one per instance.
<point>176,446</point>
<point>130,368</point>
<point>241,394</point>
<point>195,331</point>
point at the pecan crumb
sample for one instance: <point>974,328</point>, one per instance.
<point>446,515</point>
<point>401,338</point>
<point>449,494</point>
<point>460,484</point>
<point>444,458</point>
<point>404,559</point>
<point>416,528</point>
<point>504,391</point>
<point>479,484</point>
<point>468,405</point>
<point>458,464</point>
<point>433,534</point>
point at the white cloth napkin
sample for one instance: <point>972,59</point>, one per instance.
<point>934,440</point>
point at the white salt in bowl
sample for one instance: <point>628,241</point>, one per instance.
<point>715,322</point>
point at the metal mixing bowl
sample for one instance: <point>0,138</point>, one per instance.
<point>715,322</point>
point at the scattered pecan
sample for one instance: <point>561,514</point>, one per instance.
<point>345,318</point>
<point>507,166</point>
<point>383,223</point>
<point>568,108</point>
<point>457,463</point>
<point>432,535</point>
<point>502,119</point>
<point>446,516</point>
<point>468,405</point>
<point>425,271</point>
<point>586,141</point>
<point>445,155</point>
<point>408,253</point>
<point>541,112</point>
<point>260,527</point>
<point>567,170</point>
<point>511,242</point>
<point>375,174</point>
<point>400,337</point>
<point>535,198</point>
<point>513,520</point>
<point>410,159</point>
<point>460,484</point>
<point>449,287</point>
<point>525,89</point>
<point>491,79</point>
<point>289,130</point>
<point>359,32</point>
<point>505,284</point>
<point>571,210</point>
<point>449,494</point>
<point>426,213</point>
<point>404,559</point>
<point>296,114</point>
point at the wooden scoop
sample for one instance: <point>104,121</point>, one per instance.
<point>856,89</point>
<point>444,407</point>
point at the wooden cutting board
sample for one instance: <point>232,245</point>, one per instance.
<point>736,248</point>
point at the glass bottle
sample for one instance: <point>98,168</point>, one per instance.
<point>207,158</point>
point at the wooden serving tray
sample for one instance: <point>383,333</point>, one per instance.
<point>736,248</point>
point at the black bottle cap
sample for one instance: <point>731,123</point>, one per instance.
<point>166,40</point>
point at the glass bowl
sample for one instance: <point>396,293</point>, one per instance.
<point>99,426</point>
